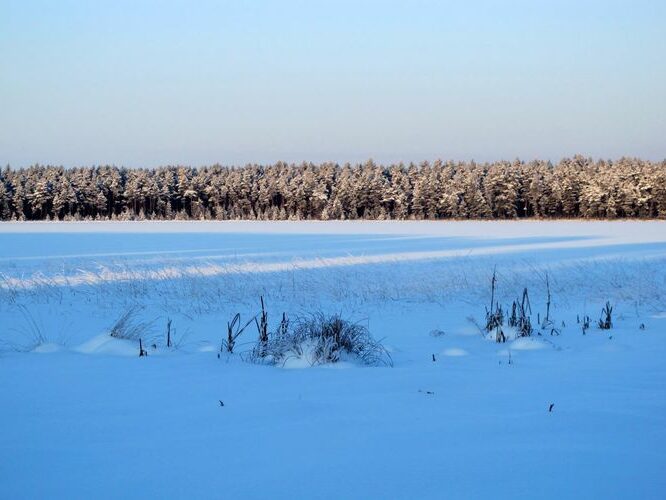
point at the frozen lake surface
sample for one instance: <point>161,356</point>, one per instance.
<point>457,416</point>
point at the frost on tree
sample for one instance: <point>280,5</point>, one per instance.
<point>575,187</point>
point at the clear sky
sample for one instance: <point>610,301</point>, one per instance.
<point>141,83</point>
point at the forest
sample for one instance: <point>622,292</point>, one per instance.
<point>576,187</point>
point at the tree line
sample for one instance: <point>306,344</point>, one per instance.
<point>572,188</point>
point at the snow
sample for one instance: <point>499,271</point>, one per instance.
<point>455,352</point>
<point>83,415</point>
<point>105,344</point>
<point>47,347</point>
<point>527,344</point>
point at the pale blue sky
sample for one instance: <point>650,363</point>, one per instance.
<point>141,83</point>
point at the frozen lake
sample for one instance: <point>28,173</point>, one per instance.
<point>457,415</point>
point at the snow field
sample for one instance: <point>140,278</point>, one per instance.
<point>84,416</point>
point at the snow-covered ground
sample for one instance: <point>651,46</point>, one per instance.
<point>82,415</point>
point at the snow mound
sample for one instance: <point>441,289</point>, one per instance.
<point>105,344</point>
<point>454,352</point>
<point>296,363</point>
<point>306,356</point>
<point>47,348</point>
<point>208,348</point>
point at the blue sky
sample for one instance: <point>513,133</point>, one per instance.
<point>141,83</point>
